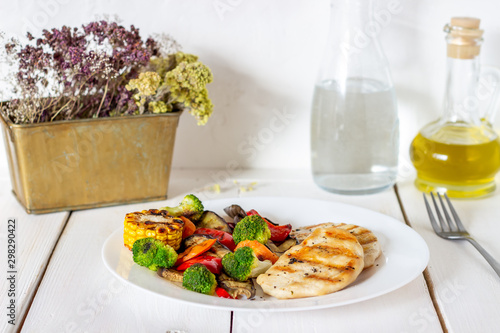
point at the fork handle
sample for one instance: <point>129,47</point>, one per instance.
<point>486,255</point>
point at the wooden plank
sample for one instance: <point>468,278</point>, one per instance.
<point>405,310</point>
<point>36,236</point>
<point>408,309</point>
<point>78,294</point>
<point>467,289</point>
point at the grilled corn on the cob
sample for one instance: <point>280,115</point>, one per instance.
<point>152,223</point>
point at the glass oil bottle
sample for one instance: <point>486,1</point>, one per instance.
<point>460,153</point>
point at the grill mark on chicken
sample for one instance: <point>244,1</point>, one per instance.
<point>286,269</point>
<point>365,237</point>
<point>327,280</point>
<point>319,266</point>
<point>336,235</point>
<point>327,261</point>
<point>329,249</point>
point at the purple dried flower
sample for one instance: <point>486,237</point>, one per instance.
<point>75,68</point>
<point>75,55</point>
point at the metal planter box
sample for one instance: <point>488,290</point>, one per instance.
<point>78,164</point>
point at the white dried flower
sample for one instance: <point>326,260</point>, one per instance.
<point>166,44</point>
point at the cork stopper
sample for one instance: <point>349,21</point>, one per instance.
<point>464,37</point>
<point>465,22</point>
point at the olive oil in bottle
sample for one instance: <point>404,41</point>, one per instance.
<point>464,160</point>
<point>460,152</point>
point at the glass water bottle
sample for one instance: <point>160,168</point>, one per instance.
<point>354,122</point>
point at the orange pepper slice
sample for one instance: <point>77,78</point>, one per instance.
<point>261,251</point>
<point>194,251</point>
<point>189,227</point>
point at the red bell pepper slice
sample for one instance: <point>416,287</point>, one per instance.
<point>222,293</point>
<point>278,232</point>
<point>213,264</point>
<point>223,237</point>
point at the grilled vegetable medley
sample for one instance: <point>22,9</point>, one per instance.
<point>203,251</point>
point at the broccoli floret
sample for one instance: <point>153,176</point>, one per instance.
<point>190,207</point>
<point>198,278</point>
<point>244,264</point>
<point>152,253</point>
<point>252,228</point>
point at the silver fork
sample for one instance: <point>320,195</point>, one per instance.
<point>453,228</point>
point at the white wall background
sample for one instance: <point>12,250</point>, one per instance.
<point>265,55</point>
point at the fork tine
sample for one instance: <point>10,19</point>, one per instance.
<point>455,215</point>
<point>431,216</point>
<point>451,224</point>
<point>438,213</point>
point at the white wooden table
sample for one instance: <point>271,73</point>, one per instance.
<point>63,285</point>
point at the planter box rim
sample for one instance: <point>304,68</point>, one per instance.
<point>10,124</point>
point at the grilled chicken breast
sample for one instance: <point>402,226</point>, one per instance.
<point>328,260</point>
<point>369,242</point>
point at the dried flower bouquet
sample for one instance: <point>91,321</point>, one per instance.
<point>101,70</point>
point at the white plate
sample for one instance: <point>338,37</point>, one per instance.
<point>404,256</point>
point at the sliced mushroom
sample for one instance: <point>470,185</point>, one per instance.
<point>218,250</point>
<point>237,219</point>
<point>211,220</point>
<point>194,240</point>
<point>282,248</point>
<point>170,274</point>
<point>235,288</point>
<point>235,212</point>
<point>271,246</point>
<point>287,244</point>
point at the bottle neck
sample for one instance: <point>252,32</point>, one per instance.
<point>461,103</point>
<point>352,49</point>
<point>349,17</point>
